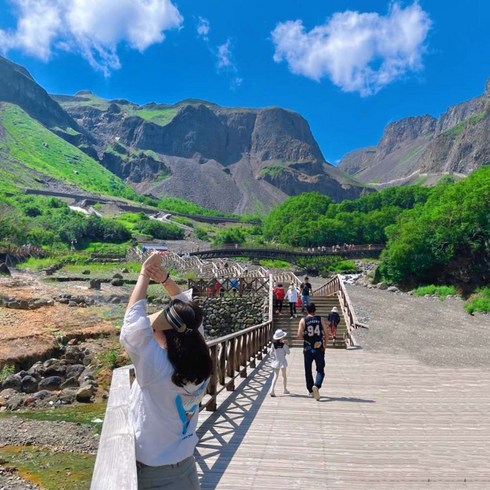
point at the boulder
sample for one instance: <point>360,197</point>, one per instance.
<point>73,354</point>
<point>75,370</point>
<point>16,401</point>
<point>54,367</point>
<point>70,383</point>
<point>67,396</point>
<point>13,381</point>
<point>85,394</point>
<point>95,284</point>
<point>52,383</point>
<point>42,394</point>
<point>29,384</point>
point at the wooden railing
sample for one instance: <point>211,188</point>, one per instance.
<point>115,466</point>
<point>336,286</point>
<point>232,355</point>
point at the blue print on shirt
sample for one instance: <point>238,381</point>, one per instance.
<point>188,404</point>
<point>185,415</point>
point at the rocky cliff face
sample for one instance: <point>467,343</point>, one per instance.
<point>18,87</point>
<point>424,148</point>
<point>232,159</point>
<point>235,160</point>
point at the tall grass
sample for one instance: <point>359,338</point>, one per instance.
<point>479,301</point>
<point>441,291</point>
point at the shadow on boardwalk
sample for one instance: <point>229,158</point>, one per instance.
<point>221,434</point>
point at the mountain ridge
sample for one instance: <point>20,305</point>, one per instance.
<point>237,160</point>
<point>423,148</point>
<point>260,155</point>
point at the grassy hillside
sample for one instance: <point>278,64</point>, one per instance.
<point>26,143</point>
<point>158,114</point>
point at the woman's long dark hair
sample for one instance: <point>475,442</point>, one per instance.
<point>188,352</point>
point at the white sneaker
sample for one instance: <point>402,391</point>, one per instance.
<point>272,394</point>
<point>291,317</point>
<point>286,392</point>
<point>310,394</point>
<point>316,393</point>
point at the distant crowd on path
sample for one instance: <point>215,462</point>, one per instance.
<point>333,248</point>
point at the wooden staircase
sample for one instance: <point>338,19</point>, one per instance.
<point>324,305</point>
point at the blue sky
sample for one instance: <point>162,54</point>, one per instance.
<point>348,67</point>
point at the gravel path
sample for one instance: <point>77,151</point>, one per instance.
<point>437,333</point>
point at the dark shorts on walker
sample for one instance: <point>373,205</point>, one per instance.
<point>178,476</point>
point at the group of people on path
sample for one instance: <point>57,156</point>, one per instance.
<point>296,297</point>
<point>314,332</point>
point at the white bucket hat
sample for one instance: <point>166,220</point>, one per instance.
<point>334,309</point>
<point>279,334</point>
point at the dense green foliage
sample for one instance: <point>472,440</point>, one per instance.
<point>47,222</point>
<point>176,205</point>
<point>228,236</point>
<point>313,219</point>
<point>159,230</point>
<point>324,265</point>
<point>141,223</point>
<point>446,240</point>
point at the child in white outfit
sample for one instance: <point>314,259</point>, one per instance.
<point>278,352</point>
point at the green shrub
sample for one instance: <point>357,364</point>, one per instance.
<point>202,233</point>
<point>274,264</point>
<point>110,358</point>
<point>6,371</point>
<point>343,266</point>
<point>229,235</point>
<point>479,301</point>
<point>159,230</point>
<point>441,291</point>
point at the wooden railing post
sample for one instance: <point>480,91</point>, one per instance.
<point>213,383</point>
<point>230,366</point>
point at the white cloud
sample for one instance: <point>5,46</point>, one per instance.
<point>203,27</point>
<point>359,52</point>
<point>93,28</point>
<point>224,55</point>
<point>225,63</point>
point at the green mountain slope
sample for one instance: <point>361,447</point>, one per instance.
<point>33,156</point>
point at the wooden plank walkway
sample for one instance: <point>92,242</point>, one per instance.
<point>383,422</point>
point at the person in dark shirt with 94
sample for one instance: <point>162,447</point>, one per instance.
<point>314,332</point>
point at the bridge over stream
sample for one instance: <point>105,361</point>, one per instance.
<point>384,421</point>
<point>291,255</point>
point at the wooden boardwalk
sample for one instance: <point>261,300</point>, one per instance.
<point>383,422</point>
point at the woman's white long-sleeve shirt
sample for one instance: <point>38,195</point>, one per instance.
<point>163,415</point>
